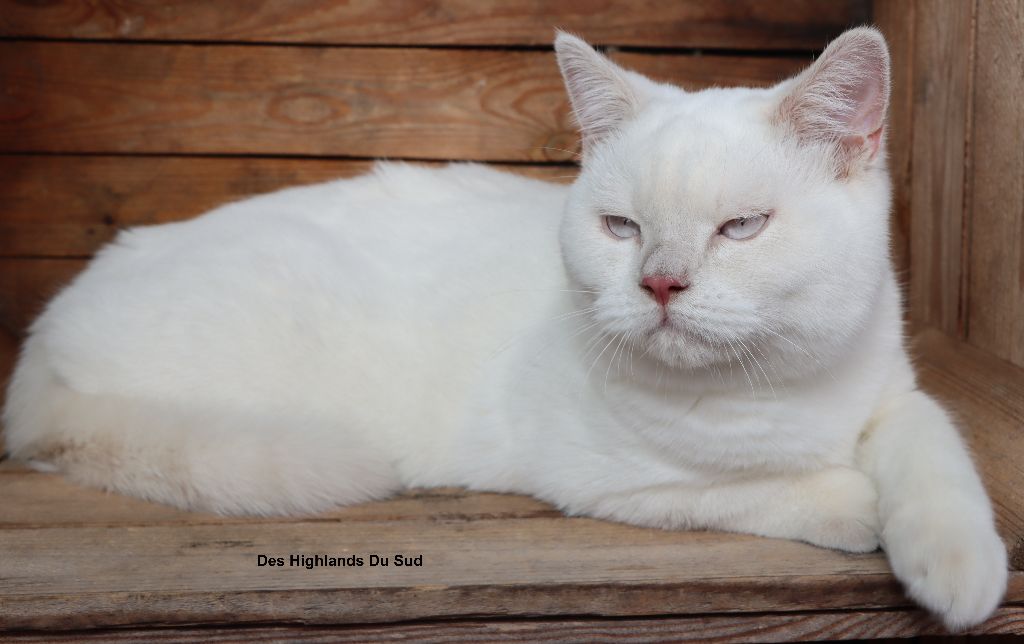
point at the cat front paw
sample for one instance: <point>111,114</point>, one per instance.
<point>844,512</point>
<point>954,564</point>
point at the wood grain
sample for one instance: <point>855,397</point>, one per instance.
<point>943,36</point>
<point>311,101</point>
<point>996,279</point>
<point>106,576</point>
<point>772,627</point>
<point>895,18</point>
<point>68,206</point>
<point>784,24</point>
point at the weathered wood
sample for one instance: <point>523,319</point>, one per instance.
<point>90,577</point>
<point>996,283</point>
<point>943,37</point>
<point>896,20</point>
<point>772,627</point>
<point>986,395</point>
<point>310,101</point>
<point>68,206</point>
<point>785,24</point>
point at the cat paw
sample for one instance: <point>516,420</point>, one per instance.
<point>843,512</point>
<point>954,564</point>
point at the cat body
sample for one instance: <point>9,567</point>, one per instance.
<point>703,330</point>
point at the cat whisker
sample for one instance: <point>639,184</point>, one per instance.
<point>800,349</point>
<point>739,359</point>
<point>586,377</point>
<point>611,361</point>
<point>771,365</point>
<point>523,334</point>
<point>759,367</point>
<point>576,156</point>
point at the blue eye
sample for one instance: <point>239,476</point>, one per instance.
<point>744,227</point>
<point>621,227</point>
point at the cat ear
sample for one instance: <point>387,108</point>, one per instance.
<point>603,95</point>
<point>841,100</point>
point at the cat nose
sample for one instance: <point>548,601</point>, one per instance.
<point>663,287</point>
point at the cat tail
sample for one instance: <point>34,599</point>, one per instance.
<point>938,528</point>
<point>235,462</point>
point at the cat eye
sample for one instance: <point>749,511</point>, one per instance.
<point>744,227</point>
<point>621,227</point>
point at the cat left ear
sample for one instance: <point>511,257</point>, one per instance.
<point>602,94</point>
<point>841,100</point>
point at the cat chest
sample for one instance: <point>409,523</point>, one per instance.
<point>728,434</point>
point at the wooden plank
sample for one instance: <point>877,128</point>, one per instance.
<point>943,37</point>
<point>98,577</point>
<point>896,20</point>
<point>987,396</point>
<point>310,101</point>
<point>996,284</point>
<point>771,627</point>
<point>68,206</point>
<point>785,24</point>
<point>91,577</point>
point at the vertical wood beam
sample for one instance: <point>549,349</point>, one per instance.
<point>943,45</point>
<point>995,235</point>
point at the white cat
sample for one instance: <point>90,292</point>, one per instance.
<point>704,330</point>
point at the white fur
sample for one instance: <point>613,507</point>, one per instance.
<point>414,327</point>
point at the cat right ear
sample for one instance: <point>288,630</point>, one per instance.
<point>602,94</point>
<point>841,100</point>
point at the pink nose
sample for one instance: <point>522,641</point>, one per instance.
<point>662,287</point>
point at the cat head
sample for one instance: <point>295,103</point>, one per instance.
<point>709,226</point>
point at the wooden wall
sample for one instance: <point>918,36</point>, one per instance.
<point>959,165</point>
<point>116,113</point>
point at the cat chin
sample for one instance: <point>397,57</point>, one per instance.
<point>679,349</point>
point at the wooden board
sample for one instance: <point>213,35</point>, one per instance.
<point>996,235</point>
<point>943,37</point>
<point>785,24</point>
<point>311,101</point>
<point>68,206</point>
<point>87,577</point>
<point>723,629</point>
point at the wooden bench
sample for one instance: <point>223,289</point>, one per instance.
<point>122,114</point>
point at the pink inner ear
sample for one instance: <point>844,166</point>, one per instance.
<point>868,116</point>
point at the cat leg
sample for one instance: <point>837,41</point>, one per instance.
<point>937,524</point>
<point>833,508</point>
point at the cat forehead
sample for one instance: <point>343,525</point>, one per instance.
<point>713,150</point>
